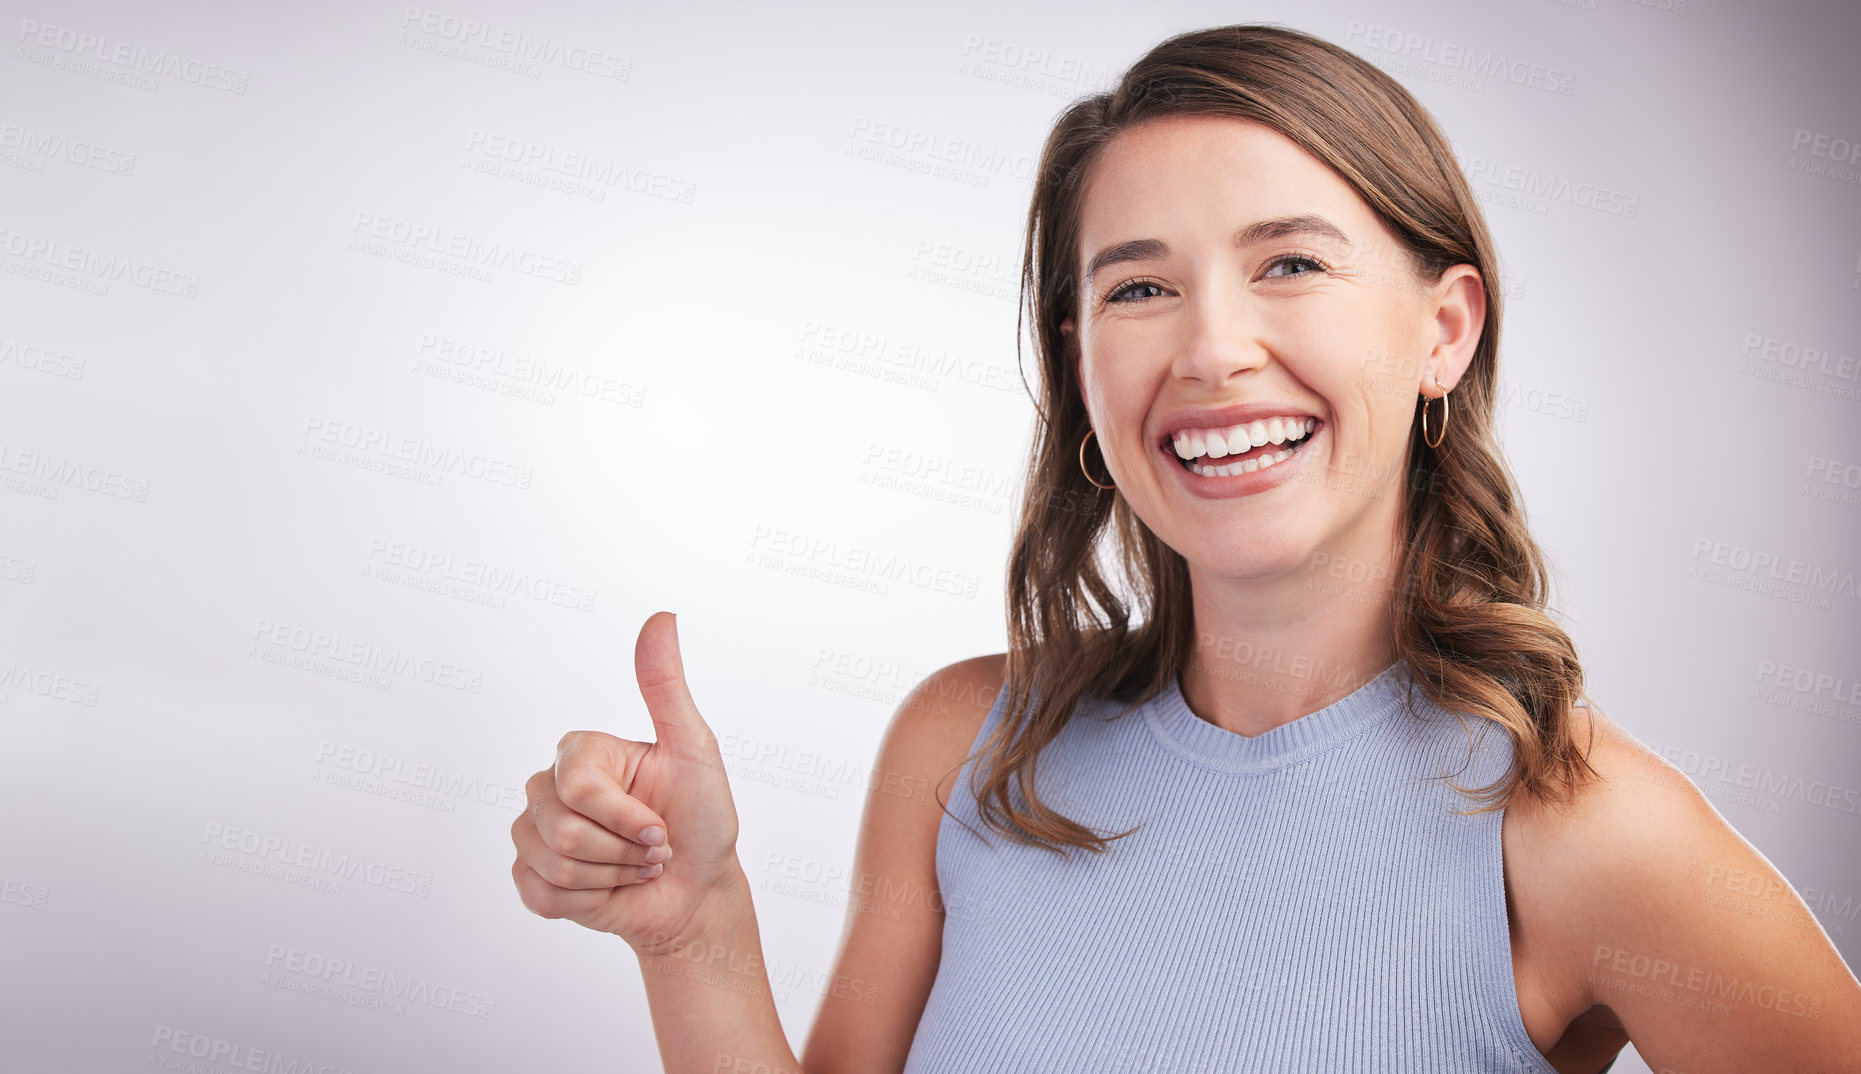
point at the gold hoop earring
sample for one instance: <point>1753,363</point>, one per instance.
<point>1436,442</point>
<point>1082,461</point>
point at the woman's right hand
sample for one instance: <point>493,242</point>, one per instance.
<point>633,838</point>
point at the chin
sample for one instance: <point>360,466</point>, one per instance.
<point>1248,557</point>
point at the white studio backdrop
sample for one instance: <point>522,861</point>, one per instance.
<point>370,372</point>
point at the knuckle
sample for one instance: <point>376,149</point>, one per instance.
<point>579,784</point>
<point>532,893</point>
<point>565,836</point>
<point>576,741</point>
<point>561,871</point>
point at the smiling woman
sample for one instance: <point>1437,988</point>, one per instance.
<point>1315,788</point>
<point>1255,282</point>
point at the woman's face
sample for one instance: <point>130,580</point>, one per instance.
<point>1228,277</point>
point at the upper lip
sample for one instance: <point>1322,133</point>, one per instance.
<point>1223,417</point>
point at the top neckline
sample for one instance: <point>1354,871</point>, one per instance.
<point>1202,743</point>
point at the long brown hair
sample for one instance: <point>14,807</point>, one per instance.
<point>1470,599</point>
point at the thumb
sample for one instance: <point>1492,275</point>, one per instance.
<point>661,672</point>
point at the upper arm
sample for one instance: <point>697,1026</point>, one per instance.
<point>893,937</point>
<point>1668,917</point>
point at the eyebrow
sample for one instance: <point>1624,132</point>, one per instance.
<point>1259,231</point>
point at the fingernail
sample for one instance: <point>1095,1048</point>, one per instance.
<point>652,835</point>
<point>647,872</point>
<point>658,853</point>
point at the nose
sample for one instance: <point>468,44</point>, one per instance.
<point>1222,335</point>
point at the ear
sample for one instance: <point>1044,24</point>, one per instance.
<point>1070,341</point>
<point>1460,317</point>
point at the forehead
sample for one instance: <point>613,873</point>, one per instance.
<point>1180,173</point>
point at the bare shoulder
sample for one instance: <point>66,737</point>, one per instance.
<point>936,723</point>
<point>1640,821</point>
<point>1638,896</point>
<point>892,943</point>
<point>1578,869</point>
<point>1635,801</point>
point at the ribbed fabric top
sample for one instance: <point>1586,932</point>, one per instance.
<point>1300,900</point>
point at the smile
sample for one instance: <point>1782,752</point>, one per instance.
<point>1249,446</point>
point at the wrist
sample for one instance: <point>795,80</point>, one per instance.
<point>714,924</point>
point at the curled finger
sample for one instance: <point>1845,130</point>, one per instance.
<point>572,834</point>
<point>573,873</point>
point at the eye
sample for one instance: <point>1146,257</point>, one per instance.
<point>1131,285</point>
<point>1306,263</point>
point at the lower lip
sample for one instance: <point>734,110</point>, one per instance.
<point>1247,484</point>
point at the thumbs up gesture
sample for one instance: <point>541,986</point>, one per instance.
<point>631,837</point>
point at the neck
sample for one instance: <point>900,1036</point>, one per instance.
<point>1270,650</point>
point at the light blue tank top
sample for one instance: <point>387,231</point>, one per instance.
<point>1302,900</point>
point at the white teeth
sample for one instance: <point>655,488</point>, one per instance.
<point>1245,466</point>
<point>1217,443</point>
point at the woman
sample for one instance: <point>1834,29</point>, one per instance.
<point>1333,802</point>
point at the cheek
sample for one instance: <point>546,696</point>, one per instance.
<point>1368,419</point>
<point>1115,388</point>
<point>1365,370</point>
<point>1383,409</point>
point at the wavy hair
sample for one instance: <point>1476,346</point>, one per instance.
<point>1469,604</point>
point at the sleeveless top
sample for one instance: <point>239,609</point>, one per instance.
<point>1300,900</point>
